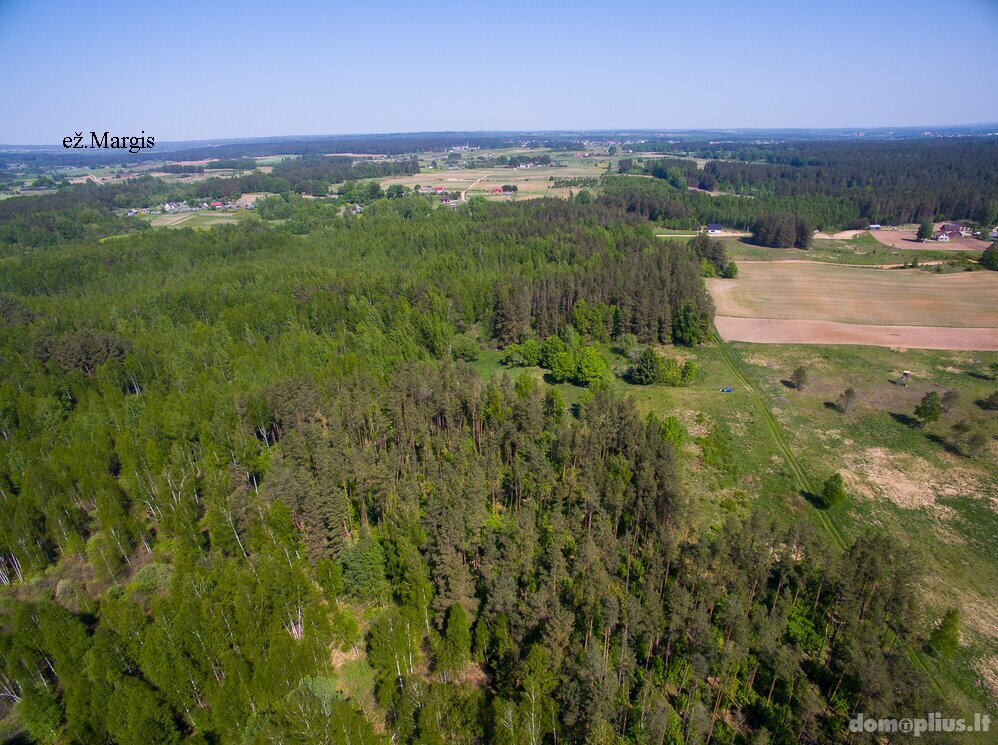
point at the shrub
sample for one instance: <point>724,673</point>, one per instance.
<point>673,430</point>
<point>525,354</point>
<point>948,399</point>
<point>592,368</point>
<point>562,367</point>
<point>689,373</point>
<point>671,373</point>
<point>551,347</point>
<point>464,347</point>
<point>945,638</point>
<point>798,379</point>
<point>846,400</point>
<point>647,369</point>
<point>833,492</point>
<point>929,409</point>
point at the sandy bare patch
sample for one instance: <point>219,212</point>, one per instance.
<point>979,613</point>
<point>908,481</point>
<point>338,657</point>
<point>697,423</point>
<point>738,423</point>
<point>780,331</point>
<point>842,235</point>
<point>758,361</point>
<point>988,670</point>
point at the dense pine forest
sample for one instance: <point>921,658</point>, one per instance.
<point>234,461</point>
<point>890,182</point>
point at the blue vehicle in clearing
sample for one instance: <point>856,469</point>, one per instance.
<point>727,389</point>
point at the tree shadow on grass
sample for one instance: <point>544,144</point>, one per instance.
<point>833,406</point>
<point>904,419</point>
<point>944,444</point>
<point>788,384</point>
<point>813,499</point>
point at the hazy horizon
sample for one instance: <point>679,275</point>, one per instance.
<point>556,130</point>
<point>188,73</point>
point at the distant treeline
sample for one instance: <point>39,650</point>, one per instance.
<point>888,182</point>
<point>387,144</point>
<point>177,168</point>
<point>86,211</point>
<point>675,207</point>
<point>236,164</point>
<point>511,160</point>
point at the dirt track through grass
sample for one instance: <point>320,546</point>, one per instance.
<point>805,483</point>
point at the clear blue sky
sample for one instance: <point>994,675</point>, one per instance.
<point>184,70</point>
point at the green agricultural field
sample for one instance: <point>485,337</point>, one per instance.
<point>861,249</point>
<point>203,219</point>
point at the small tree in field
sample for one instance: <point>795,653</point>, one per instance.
<point>945,639</point>
<point>969,438</point>
<point>562,367</point>
<point>925,230</point>
<point>929,409</point>
<point>833,491</point>
<point>647,369</point>
<point>846,400</point>
<point>949,398</point>
<point>690,372</point>
<point>798,379</point>
<point>592,368</point>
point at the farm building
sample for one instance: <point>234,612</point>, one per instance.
<point>955,230</point>
<point>714,228</point>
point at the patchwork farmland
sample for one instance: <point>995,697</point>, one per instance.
<point>812,303</point>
